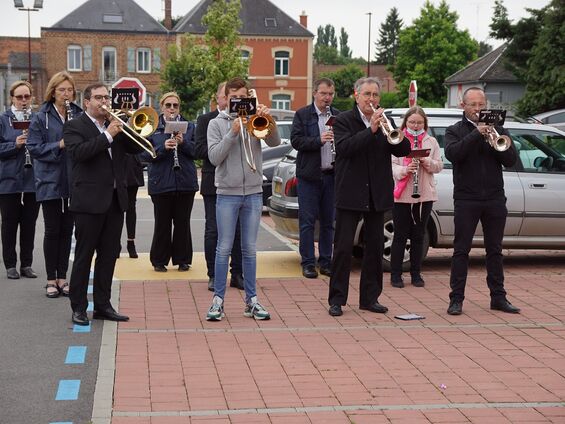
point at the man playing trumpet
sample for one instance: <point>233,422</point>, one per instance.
<point>239,195</point>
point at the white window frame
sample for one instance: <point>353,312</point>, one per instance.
<point>280,62</point>
<point>146,52</point>
<point>115,70</point>
<point>278,102</point>
<point>74,49</point>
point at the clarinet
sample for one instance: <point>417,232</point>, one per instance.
<point>69,110</point>
<point>176,164</point>
<point>27,163</point>
<point>415,178</point>
<point>332,145</point>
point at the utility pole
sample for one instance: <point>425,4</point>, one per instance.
<point>369,47</point>
<point>19,4</point>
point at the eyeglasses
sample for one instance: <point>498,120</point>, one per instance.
<point>23,96</point>
<point>476,105</point>
<point>369,95</point>
<point>325,94</point>
<point>415,122</point>
<point>100,97</point>
<point>173,105</point>
<point>63,90</point>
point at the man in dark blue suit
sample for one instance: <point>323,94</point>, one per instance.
<point>313,140</point>
<point>98,201</point>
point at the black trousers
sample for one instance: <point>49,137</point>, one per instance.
<point>211,240</point>
<point>131,212</point>
<point>371,283</point>
<point>18,210</point>
<point>410,221</point>
<point>492,215</point>
<point>98,233</point>
<point>58,222</point>
<point>172,215</point>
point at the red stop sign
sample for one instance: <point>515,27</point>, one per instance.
<point>128,82</point>
<point>412,94</point>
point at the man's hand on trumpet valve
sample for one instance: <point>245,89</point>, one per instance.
<point>483,128</point>
<point>376,118</point>
<point>115,127</point>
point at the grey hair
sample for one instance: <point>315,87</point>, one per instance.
<point>366,80</point>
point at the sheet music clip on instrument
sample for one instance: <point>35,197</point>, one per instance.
<point>409,317</point>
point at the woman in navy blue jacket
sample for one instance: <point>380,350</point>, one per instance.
<point>47,148</point>
<point>17,189</point>
<point>172,189</point>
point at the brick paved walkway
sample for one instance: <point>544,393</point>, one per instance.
<point>303,366</point>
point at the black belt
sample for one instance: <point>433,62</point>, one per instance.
<point>327,171</point>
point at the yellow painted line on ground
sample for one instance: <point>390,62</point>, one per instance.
<point>284,264</point>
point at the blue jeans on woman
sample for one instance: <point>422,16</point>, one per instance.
<point>228,209</point>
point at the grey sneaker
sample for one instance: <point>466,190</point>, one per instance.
<point>216,311</point>
<point>255,310</point>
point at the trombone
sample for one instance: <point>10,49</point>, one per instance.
<point>141,123</point>
<point>393,135</point>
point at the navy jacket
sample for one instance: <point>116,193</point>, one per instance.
<point>207,186</point>
<point>305,138</point>
<point>14,177</point>
<point>477,167</point>
<point>363,169</point>
<point>162,178</point>
<point>50,163</point>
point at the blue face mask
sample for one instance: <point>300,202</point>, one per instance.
<point>415,133</point>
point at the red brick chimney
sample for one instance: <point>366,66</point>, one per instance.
<point>304,19</point>
<point>168,17</point>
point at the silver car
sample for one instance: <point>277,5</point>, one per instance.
<point>535,189</point>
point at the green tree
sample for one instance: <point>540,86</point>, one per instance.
<point>325,50</point>
<point>344,50</point>
<point>500,26</point>
<point>196,68</point>
<point>344,79</point>
<point>484,48</point>
<point>545,76</point>
<point>430,50</point>
<point>387,46</point>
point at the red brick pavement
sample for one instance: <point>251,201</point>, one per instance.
<point>304,366</point>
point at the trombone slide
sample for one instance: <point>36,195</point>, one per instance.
<point>144,121</point>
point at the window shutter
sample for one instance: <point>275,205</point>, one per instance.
<point>87,58</point>
<point>157,60</point>
<point>131,59</point>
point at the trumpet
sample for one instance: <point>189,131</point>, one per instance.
<point>142,123</point>
<point>393,136</point>
<point>498,142</point>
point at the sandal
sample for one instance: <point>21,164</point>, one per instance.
<point>51,294</point>
<point>64,289</point>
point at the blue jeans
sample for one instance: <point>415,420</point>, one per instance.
<point>316,201</point>
<point>228,210</point>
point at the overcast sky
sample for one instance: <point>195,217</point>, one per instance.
<point>474,15</point>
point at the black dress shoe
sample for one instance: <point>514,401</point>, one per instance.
<point>27,272</point>
<point>211,284</point>
<point>184,267</point>
<point>160,268</point>
<point>131,249</point>
<point>375,307</point>
<point>455,307</point>
<point>504,306</point>
<point>109,314</point>
<point>418,281</point>
<point>335,311</point>
<point>397,282</point>
<point>326,271</point>
<point>309,271</point>
<point>80,318</point>
<point>236,281</point>
<point>12,273</point>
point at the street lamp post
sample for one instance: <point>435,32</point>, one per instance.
<point>369,47</point>
<point>19,4</point>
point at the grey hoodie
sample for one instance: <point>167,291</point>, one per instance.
<point>233,175</point>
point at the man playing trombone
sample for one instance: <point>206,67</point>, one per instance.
<point>478,195</point>
<point>98,200</point>
<point>237,156</point>
<point>363,189</point>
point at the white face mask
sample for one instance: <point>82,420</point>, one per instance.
<point>415,133</point>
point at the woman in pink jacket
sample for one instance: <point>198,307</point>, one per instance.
<point>413,202</point>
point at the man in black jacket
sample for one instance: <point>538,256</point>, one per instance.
<point>478,194</point>
<point>98,201</point>
<point>314,169</point>
<point>208,191</point>
<point>363,189</point>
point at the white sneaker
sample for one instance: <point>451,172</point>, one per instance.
<point>254,309</point>
<point>216,311</point>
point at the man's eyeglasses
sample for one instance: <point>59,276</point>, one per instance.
<point>476,105</point>
<point>325,94</point>
<point>23,96</point>
<point>173,105</point>
<point>369,95</point>
<point>100,97</point>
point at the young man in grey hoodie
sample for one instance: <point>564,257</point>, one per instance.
<point>239,195</point>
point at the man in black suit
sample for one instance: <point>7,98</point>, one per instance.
<point>208,191</point>
<point>363,189</point>
<point>98,201</point>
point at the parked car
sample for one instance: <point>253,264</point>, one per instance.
<point>555,118</point>
<point>535,189</point>
<point>273,155</point>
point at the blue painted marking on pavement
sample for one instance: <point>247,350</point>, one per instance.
<point>68,390</point>
<point>81,328</point>
<point>90,289</point>
<point>76,355</point>
<point>90,307</point>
